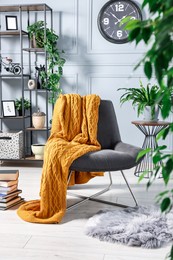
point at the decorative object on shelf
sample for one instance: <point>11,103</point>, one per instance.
<point>110,17</point>
<point>50,79</point>
<point>10,66</point>
<point>39,81</point>
<point>38,119</point>
<point>31,84</point>
<point>8,108</point>
<point>11,22</point>
<point>19,103</point>
<point>11,145</point>
<point>38,151</point>
<point>143,97</point>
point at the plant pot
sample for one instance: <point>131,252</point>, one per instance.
<point>20,113</point>
<point>38,121</point>
<point>38,151</point>
<point>35,44</point>
<point>150,115</point>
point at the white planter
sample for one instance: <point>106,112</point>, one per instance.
<point>38,151</point>
<point>148,116</point>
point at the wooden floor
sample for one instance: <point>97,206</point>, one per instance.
<point>22,240</point>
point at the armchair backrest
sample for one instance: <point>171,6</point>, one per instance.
<point>108,132</point>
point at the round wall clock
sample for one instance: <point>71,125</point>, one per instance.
<point>110,16</point>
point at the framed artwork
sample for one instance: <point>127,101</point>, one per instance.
<point>8,108</point>
<point>11,22</point>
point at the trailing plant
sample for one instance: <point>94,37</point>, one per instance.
<point>142,97</point>
<point>46,38</point>
<point>158,31</point>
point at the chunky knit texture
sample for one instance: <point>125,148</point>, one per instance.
<point>73,133</point>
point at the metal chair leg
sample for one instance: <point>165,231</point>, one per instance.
<point>93,197</point>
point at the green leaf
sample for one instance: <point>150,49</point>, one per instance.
<point>163,133</point>
<point>156,158</point>
<point>142,153</point>
<point>146,33</point>
<point>141,177</point>
<point>161,194</point>
<point>165,204</point>
<point>148,69</point>
<point>130,24</point>
<point>134,33</point>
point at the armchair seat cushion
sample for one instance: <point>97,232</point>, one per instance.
<point>123,156</point>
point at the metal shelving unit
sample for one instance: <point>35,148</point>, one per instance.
<point>24,12</point>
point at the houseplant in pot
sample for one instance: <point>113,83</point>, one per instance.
<point>18,105</point>
<point>146,100</point>
<point>46,38</point>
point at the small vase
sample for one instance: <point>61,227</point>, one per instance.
<point>150,115</point>
<point>38,121</point>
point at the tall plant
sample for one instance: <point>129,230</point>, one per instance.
<point>158,31</point>
<point>46,38</point>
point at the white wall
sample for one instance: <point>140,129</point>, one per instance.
<point>95,65</point>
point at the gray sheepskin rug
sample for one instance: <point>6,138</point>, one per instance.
<point>139,226</point>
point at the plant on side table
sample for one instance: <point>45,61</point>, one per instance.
<point>47,39</point>
<point>146,100</point>
<point>18,105</point>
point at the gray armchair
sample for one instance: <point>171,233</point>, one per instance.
<point>113,156</point>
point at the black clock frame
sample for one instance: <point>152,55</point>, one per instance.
<point>120,41</point>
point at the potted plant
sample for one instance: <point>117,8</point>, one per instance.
<point>146,100</point>
<point>18,105</point>
<point>47,39</point>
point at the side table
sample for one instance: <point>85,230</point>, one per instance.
<point>150,129</point>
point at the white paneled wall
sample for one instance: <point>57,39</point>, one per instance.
<point>93,65</point>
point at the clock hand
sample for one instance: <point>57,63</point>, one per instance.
<point>115,16</point>
<point>119,20</point>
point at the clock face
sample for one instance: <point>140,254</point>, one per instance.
<point>110,17</point>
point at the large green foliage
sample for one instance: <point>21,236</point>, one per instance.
<point>157,32</point>
<point>142,97</point>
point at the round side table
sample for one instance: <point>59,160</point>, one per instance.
<point>150,129</point>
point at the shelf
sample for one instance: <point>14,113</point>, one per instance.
<point>32,158</point>
<point>12,33</point>
<point>28,158</point>
<point>31,7</point>
<point>38,89</point>
<point>13,75</point>
<point>40,50</point>
<point>13,117</point>
<point>37,129</point>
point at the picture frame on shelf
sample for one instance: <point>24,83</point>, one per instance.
<point>8,108</point>
<point>11,22</point>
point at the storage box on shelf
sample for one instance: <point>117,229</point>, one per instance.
<point>11,145</point>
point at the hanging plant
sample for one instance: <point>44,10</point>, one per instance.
<point>51,78</point>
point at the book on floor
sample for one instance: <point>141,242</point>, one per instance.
<point>8,183</point>
<point>7,190</point>
<point>13,204</point>
<point>9,175</point>
<point>4,196</point>
<point>10,202</point>
<point>9,198</point>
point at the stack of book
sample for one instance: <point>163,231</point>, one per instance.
<point>9,192</point>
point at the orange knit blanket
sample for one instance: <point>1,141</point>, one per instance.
<point>73,133</point>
